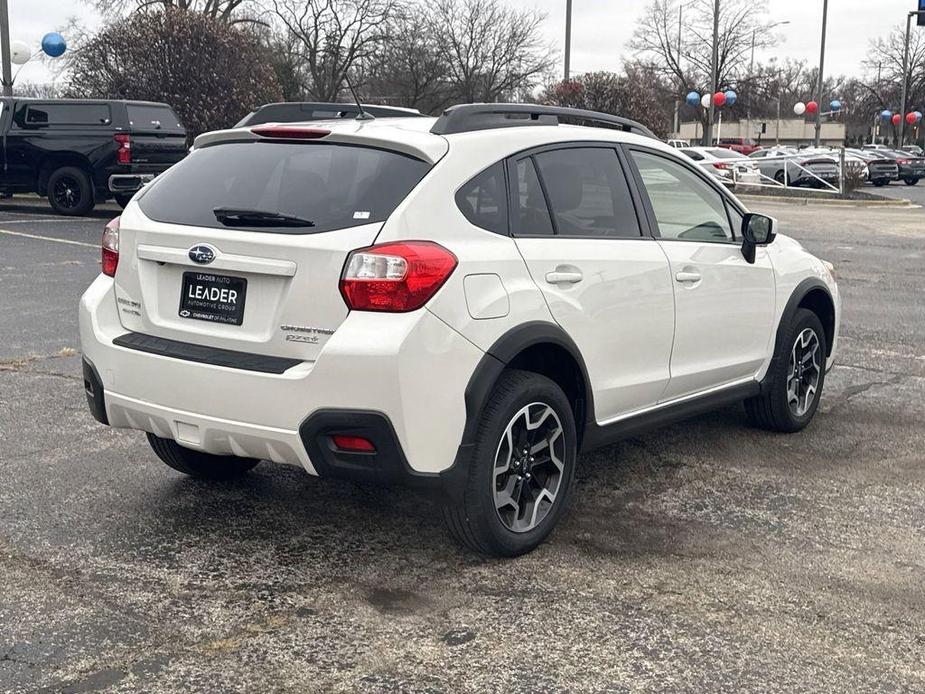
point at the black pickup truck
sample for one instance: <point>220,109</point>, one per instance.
<point>79,152</point>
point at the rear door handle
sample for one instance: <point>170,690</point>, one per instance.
<point>688,277</point>
<point>564,277</point>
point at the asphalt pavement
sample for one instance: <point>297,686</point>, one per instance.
<point>705,557</point>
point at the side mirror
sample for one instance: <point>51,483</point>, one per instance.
<point>757,230</point>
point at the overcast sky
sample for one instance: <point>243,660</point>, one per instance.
<point>600,28</point>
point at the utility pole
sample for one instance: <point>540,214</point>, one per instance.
<point>825,14</point>
<point>5,48</point>
<point>708,131</point>
<point>902,115</point>
<point>677,102</point>
<point>777,127</point>
<point>568,36</point>
<point>751,88</point>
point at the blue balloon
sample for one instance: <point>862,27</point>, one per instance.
<point>886,114</point>
<point>693,98</point>
<point>730,98</point>
<point>53,44</point>
<point>918,115</point>
<point>836,105</point>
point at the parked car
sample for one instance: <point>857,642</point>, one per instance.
<point>296,112</point>
<point>742,145</point>
<point>913,149</point>
<point>78,152</point>
<point>797,167</point>
<point>880,169</point>
<point>911,167</point>
<point>874,146</point>
<point>460,304</point>
<point>678,143</point>
<point>728,166</point>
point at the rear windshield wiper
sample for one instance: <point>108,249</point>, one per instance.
<point>236,217</point>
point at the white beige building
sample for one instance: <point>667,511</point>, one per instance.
<point>793,131</point>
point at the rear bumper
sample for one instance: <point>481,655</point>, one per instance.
<point>408,370</point>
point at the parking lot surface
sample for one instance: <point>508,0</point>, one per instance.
<point>704,557</point>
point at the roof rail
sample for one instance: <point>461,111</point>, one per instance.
<point>468,117</point>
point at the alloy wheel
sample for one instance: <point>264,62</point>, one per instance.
<point>67,192</point>
<point>529,466</point>
<point>803,372</point>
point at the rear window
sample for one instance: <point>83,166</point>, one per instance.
<point>334,186</point>
<point>68,114</point>
<point>721,153</point>
<point>156,117</point>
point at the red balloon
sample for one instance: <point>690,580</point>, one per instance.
<point>896,118</point>
<point>719,98</point>
<point>910,118</point>
<point>812,107</point>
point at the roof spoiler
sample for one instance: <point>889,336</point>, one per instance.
<point>470,117</point>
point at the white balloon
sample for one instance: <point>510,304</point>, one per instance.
<point>799,108</point>
<point>20,52</point>
<point>705,101</point>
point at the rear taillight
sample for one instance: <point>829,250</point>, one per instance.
<point>124,152</point>
<point>286,132</point>
<point>720,165</point>
<point>903,161</point>
<point>395,277</point>
<point>110,246</point>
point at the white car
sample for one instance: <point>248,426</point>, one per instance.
<point>461,303</point>
<point>678,143</point>
<point>727,165</point>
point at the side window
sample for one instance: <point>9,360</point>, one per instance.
<point>588,193</point>
<point>483,199</point>
<point>531,216</point>
<point>68,114</point>
<point>685,207</point>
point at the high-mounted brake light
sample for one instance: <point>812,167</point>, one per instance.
<point>290,133</point>
<point>124,152</point>
<point>110,246</point>
<point>395,277</point>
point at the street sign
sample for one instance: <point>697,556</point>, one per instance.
<point>920,18</point>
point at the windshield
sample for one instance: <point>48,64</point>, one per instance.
<point>333,186</point>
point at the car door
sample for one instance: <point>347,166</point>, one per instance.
<point>575,222</point>
<point>724,305</point>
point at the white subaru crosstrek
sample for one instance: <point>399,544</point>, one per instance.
<point>462,303</point>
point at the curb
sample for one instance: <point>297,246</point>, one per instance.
<point>821,201</point>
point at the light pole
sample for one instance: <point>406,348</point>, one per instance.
<point>825,14</point>
<point>751,74</point>
<point>902,114</point>
<point>568,36</point>
<point>708,131</point>
<point>5,48</point>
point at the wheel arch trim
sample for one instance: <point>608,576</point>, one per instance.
<point>800,292</point>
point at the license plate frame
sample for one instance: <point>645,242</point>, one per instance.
<point>212,297</point>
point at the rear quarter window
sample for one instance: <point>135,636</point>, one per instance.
<point>144,117</point>
<point>483,199</point>
<point>335,186</point>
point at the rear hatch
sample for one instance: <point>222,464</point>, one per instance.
<point>241,246</point>
<point>158,140</point>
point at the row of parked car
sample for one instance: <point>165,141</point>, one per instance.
<point>811,167</point>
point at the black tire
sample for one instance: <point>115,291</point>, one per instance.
<point>911,181</point>
<point>473,519</point>
<point>880,182</point>
<point>198,464</point>
<point>123,199</point>
<point>772,408</point>
<point>779,176</point>
<point>70,191</point>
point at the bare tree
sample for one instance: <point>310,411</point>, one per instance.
<point>491,50</point>
<point>210,72</point>
<point>332,37</point>
<point>659,36</point>
<point>221,10</point>
<point>410,69</point>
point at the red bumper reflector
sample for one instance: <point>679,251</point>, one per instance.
<point>353,443</point>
